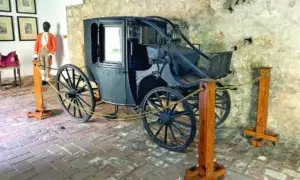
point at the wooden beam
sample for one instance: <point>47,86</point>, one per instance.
<point>40,113</point>
<point>259,133</point>
<point>207,169</point>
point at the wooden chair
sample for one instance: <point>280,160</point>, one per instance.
<point>7,62</point>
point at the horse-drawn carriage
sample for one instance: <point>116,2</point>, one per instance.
<point>148,64</point>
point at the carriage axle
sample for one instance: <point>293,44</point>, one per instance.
<point>71,94</point>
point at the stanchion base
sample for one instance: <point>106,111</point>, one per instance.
<point>193,174</point>
<point>40,114</point>
<point>259,138</point>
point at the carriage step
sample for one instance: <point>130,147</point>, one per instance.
<point>114,114</point>
<point>110,116</point>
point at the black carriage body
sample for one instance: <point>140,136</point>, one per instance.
<point>128,56</point>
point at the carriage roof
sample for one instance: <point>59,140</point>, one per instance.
<point>124,18</point>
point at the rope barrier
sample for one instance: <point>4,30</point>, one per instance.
<point>240,85</point>
<point>58,69</point>
<point>135,117</point>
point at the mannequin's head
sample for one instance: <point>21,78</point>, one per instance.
<point>46,26</point>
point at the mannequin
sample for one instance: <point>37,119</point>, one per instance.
<point>44,50</point>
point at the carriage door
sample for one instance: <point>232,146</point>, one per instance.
<point>111,64</point>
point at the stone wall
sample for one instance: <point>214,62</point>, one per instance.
<point>219,25</point>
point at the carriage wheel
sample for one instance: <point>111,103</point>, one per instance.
<point>173,128</point>
<point>222,105</point>
<point>76,95</point>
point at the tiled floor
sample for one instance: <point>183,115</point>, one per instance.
<point>59,148</point>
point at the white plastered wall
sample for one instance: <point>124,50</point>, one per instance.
<point>53,11</point>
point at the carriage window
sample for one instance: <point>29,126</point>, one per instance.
<point>113,47</point>
<point>97,33</point>
<point>100,43</point>
<point>94,39</point>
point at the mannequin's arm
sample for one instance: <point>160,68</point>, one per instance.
<point>53,44</point>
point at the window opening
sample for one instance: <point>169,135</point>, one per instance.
<point>101,47</point>
<point>113,44</point>
<point>94,44</point>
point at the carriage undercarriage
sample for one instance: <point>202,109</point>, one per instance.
<point>171,125</point>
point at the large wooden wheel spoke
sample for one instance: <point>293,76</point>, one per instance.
<point>159,99</point>
<point>70,103</point>
<point>182,123</point>
<point>81,89</point>
<point>173,135</point>
<point>79,79</point>
<point>82,100</point>
<point>159,130</point>
<point>69,78</point>
<point>168,100</point>
<point>73,77</point>
<point>75,108</point>
<point>81,106</point>
<point>66,80</point>
<point>179,131</point>
<point>65,85</point>
<point>220,107</point>
<point>79,111</point>
<point>217,116</point>
<point>166,134</point>
<point>83,95</point>
<point>180,113</point>
<point>152,122</point>
<point>153,104</point>
<point>173,108</point>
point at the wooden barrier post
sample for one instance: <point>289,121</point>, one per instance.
<point>40,113</point>
<point>207,169</point>
<point>259,132</point>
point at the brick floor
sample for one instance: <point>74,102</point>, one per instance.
<point>59,148</point>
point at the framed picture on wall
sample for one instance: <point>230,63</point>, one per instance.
<point>5,6</point>
<point>28,28</point>
<point>26,6</point>
<point>6,28</point>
